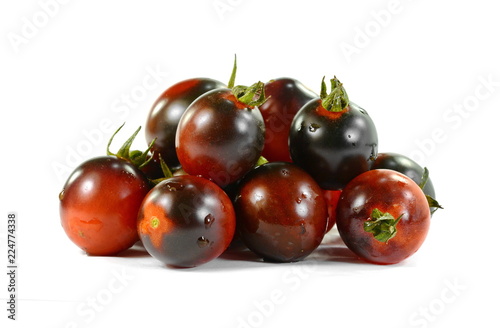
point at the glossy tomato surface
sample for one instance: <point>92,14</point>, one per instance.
<point>405,165</point>
<point>186,221</point>
<point>99,205</point>
<point>389,192</point>
<point>285,97</point>
<point>166,112</point>
<point>220,138</point>
<point>281,212</point>
<point>334,147</point>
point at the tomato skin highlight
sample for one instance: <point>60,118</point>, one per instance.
<point>334,147</point>
<point>391,192</point>
<point>219,137</point>
<point>286,96</point>
<point>281,212</point>
<point>99,205</point>
<point>164,116</point>
<point>186,221</point>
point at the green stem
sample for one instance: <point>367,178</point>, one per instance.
<point>337,100</point>
<point>382,225</point>
<point>230,84</point>
<point>136,157</point>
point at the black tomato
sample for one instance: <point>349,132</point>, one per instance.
<point>186,221</point>
<point>281,212</point>
<point>285,97</point>
<point>99,205</point>
<point>383,216</point>
<point>166,112</point>
<point>220,137</point>
<point>333,139</point>
<point>405,165</point>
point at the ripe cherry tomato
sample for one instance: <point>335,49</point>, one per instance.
<point>281,213</point>
<point>99,205</point>
<point>220,137</point>
<point>286,97</point>
<point>186,221</point>
<point>383,216</point>
<point>333,139</point>
<point>166,112</point>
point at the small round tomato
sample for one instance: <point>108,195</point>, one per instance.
<point>333,139</point>
<point>99,205</point>
<point>186,221</point>
<point>220,137</point>
<point>383,216</point>
<point>166,112</point>
<point>281,212</point>
<point>285,97</point>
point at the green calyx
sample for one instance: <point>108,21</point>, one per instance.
<point>138,158</point>
<point>251,96</point>
<point>433,203</point>
<point>167,173</point>
<point>337,100</point>
<point>261,161</point>
<point>381,225</point>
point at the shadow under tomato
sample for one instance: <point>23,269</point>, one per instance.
<point>135,251</point>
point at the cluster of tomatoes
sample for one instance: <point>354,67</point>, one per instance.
<point>273,165</point>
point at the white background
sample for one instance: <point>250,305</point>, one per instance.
<point>427,72</point>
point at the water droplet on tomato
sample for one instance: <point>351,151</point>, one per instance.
<point>202,242</point>
<point>174,186</point>
<point>285,172</point>
<point>209,220</point>
<point>61,195</point>
<point>313,127</point>
<point>298,200</point>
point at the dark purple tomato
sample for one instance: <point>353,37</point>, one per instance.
<point>383,216</point>
<point>166,112</point>
<point>219,137</point>
<point>285,97</point>
<point>405,165</point>
<point>281,212</point>
<point>99,205</point>
<point>333,145</point>
<point>186,221</point>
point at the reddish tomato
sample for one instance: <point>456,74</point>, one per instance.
<point>281,213</point>
<point>186,221</point>
<point>166,112</point>
<point>285,97</point>
<point>220,137</point>
<point>383,216</point>
<point>99,205</point>
<point>331,198</point>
